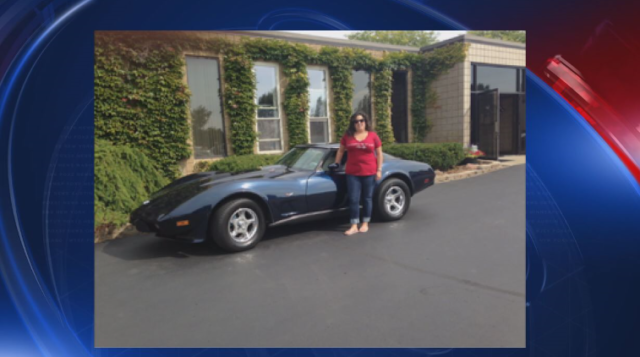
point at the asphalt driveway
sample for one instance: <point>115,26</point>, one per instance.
<point>450,274</point>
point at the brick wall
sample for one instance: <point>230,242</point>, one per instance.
<point>451,118</point>
<point>447,117</point>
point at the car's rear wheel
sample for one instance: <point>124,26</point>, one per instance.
<point>393,200</point>
<point>237,225</point>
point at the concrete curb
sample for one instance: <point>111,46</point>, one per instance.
<point>112,233</point>
<point>481,169</point>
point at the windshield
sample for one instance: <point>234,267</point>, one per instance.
<point>302,158</point>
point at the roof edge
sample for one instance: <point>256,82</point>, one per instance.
<point>475,39</point>
<point>290,36</point>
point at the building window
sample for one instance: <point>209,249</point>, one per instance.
<point>505,79</point>
<point>268,114</point>
<point>207,123</point>
<point>318,105</point>
<point>361,92</point>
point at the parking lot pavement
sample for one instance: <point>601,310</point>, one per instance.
<point>451,273</point>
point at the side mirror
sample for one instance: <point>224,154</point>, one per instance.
<point>334,167</point>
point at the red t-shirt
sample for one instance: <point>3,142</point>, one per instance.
<point>361,158</point>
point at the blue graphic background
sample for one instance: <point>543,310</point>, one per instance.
<point>582,204</point>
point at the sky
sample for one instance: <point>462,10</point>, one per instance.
<point>442,35</point>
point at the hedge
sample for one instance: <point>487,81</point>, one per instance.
<point>124,178</point>
<point>240,163</point>
<point>440,156</point>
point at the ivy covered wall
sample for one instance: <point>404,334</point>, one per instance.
<point>142,101</point>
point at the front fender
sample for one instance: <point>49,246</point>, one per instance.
<point>260,197</point>
<point>219,193</point>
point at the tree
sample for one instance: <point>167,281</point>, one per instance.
<point>200,117</point>
<point>404,38</point>
<point>364,105</point>
<point>513,36</point>
<point>266,100</point>
<point>320,105</point>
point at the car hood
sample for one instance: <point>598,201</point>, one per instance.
<point>181,190</point>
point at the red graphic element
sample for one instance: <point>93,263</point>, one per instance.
<point>363,146</point>
<point>621,135</point>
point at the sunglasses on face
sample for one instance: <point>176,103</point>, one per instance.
<point>358,121</point>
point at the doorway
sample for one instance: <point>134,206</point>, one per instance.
<point>512,124</point>
<point>498,123</point>
<point>508,124</point>
<point>399,107</point>
<point>486,119</point>
<point>498,109</point>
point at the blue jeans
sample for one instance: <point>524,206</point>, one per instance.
<point>355,186</point>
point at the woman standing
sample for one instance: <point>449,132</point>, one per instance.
<point>364,167</point>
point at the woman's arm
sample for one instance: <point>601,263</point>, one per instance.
<point>379,157</point>
<point>339,154</point>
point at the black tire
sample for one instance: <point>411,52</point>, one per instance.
<point>221,225</point>
<point>402,202</point>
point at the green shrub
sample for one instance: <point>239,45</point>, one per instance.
<point>242,163</point>
<point>440,156</point>
<point>201,166</point>
<point>141,101</point>
<point>124,178</point>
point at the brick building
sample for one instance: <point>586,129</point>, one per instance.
<point>488,85</point>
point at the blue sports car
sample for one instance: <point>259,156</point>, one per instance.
<point>232,211</point>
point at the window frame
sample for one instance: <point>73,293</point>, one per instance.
<point>310,119</point>
<point>221,98</point>
<point>520,88</point>
<point>276,67</point>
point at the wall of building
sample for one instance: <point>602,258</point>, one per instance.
<point>451,118</point>
<point>446,118</point>
<point>188,165</point>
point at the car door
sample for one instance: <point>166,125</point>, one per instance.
<point>287,190</point>
<point>327,190</point>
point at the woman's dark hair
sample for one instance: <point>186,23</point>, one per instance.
<point>352,124</point>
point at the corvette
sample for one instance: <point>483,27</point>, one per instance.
<point>233,211</point>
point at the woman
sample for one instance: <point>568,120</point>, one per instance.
<point>363,167</point>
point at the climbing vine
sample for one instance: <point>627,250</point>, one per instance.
<point>239,84</point>
<point>382,105</point>
<point>341,87</point>
<point>341,64</point>
<point>142,101</point>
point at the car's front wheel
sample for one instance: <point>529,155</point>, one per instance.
<point>393,200</point>
<point>237,225</point>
